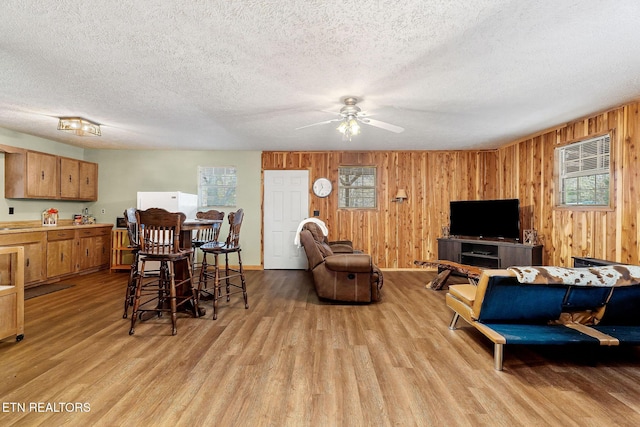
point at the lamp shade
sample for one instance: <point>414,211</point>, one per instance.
<point>401,194</point>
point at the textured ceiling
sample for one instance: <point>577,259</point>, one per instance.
<point>244,75</point>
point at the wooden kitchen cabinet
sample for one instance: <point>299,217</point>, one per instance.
<point>94,248</point>
<point>69,178</point>
<point>34,175</point>
<point>77,250</point>
<point>78,179</point>
<point>88,181</point>
<point>31,175</point>
<point>35,254</point>
<point>60,252</point>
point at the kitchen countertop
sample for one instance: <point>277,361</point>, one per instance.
<point>15,228</point>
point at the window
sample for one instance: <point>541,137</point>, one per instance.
<point>357,187</point>
<point>216,186</point>
<point>583,173</point>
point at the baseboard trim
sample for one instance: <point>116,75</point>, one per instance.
<point>259,267</point>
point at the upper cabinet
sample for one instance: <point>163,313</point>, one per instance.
<point>69,178</point>
<point>34,175</point>
<point>88,181</point>
<point>31,175</point>
<point>78,179</point>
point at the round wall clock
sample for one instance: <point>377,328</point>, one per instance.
<point>322,187</point>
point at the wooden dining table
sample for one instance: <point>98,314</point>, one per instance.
<point>182,268</point>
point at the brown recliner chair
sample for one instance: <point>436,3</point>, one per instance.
<point>350,277</point>
<point>336,246</point>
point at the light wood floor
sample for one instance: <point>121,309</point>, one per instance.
<point>292,360</point>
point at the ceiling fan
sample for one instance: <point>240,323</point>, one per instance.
<point>350,117</point>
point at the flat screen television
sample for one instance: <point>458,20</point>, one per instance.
<point>485,218</point>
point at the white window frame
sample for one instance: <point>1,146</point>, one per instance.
<point>222,180</point>
<point>584,173</point>
<point>355,193</point>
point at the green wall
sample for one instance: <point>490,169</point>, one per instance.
<point>122,173</point>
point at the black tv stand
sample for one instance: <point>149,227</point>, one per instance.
<point>488,253</point>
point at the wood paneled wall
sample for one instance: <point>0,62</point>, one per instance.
<point>396,234</point>
<point>526,172</point>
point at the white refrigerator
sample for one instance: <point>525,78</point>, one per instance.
<point>173,201</point>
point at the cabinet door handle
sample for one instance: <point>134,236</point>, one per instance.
<point>27,263</point>
<point>87,252</point>
<point>70,178</point>
<point>87,180</point>
<point>42,174</point>
<point>61,257</point>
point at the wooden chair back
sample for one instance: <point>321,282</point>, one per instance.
<point>235,222</point>
<point>159,231</point>
<point>132,226</point>
<point>211,234</point>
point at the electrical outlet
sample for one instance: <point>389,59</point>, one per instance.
<point>10,210</point>
<point>103,211</point>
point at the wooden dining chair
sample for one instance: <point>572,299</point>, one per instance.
<point>210,271</point>
<point>159,239</point>
<point>206,235</point>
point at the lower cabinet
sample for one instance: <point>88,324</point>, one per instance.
<point>60,256</point>
<point>77,250</point>
<point>94,247</point>
<point>34,262</point>
<point>61,251</point>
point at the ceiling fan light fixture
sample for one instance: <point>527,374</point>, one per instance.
<point>349,127</point>
<point>79,126</point>
<point>350,118</point>
<point>355,127</point>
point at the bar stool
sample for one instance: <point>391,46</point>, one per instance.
<point>215,249</point>
<point>159,238</point>
<point>208,234</point>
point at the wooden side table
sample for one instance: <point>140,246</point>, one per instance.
<point>445,268</point>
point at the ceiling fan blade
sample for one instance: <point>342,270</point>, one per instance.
<point>383,125</point>
<point>326,122</point>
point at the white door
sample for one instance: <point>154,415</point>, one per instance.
<point>286,204</point>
